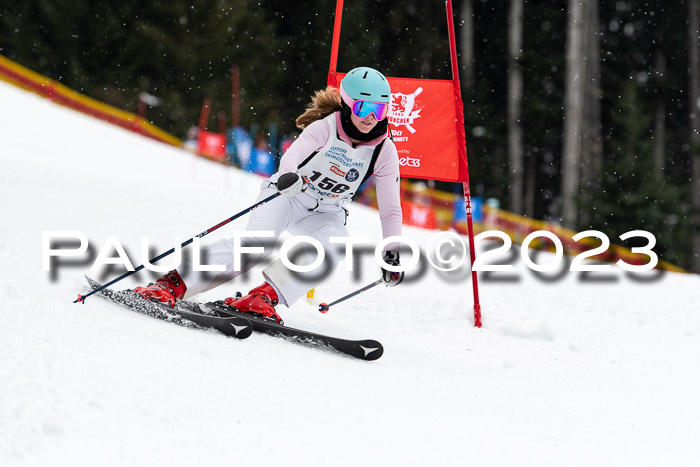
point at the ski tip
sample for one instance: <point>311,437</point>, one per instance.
<point>92,282</point>
<point>242,328</point>
<point>371,350</point>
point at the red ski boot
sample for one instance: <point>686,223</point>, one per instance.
<point>261,300</point>
<point>167,289</point>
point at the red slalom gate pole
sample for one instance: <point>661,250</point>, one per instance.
<point>204,114</point>
<point>465,185</point>
<point>336,42</point>
<point>472,254</point>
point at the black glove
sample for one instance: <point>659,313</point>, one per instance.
<point>291,184</point>
<point>391,257</point>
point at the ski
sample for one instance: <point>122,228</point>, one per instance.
<point>367,349</point>
<point>232,322</point>
<point>239,327</point>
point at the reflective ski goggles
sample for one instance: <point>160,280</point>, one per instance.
<point>362,109</point>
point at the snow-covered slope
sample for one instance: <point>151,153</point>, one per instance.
<point>570,370</point>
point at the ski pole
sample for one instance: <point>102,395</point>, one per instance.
<point>324,307</point>
<point>81,298</point>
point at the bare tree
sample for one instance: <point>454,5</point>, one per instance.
<point>592,130</point>
<point>694,71</point>
<point>575,86</point>
<point>515,97</point>
<point>466,37</point>
<point>659,148</point>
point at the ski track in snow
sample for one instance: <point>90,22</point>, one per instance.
<point>564,372</point>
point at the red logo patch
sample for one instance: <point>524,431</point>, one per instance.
<point>337,171</point>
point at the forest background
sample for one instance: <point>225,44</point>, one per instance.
<point>582,113</point>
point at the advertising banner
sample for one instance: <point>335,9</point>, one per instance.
<point>425,127</point>
<point>212,144</point>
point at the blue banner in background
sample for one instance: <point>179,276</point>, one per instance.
<point>239,146</point>
<point>262,162</point>
<point>243,153</point>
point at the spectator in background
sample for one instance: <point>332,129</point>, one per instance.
<point>191,143</point>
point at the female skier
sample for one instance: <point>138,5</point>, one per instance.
<point>345,141</point>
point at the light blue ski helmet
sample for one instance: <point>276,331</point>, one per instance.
<point>365,84</point>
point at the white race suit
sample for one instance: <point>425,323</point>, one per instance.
<point>335,169</point>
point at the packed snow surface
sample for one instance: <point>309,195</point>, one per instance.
<point>569,369</point>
